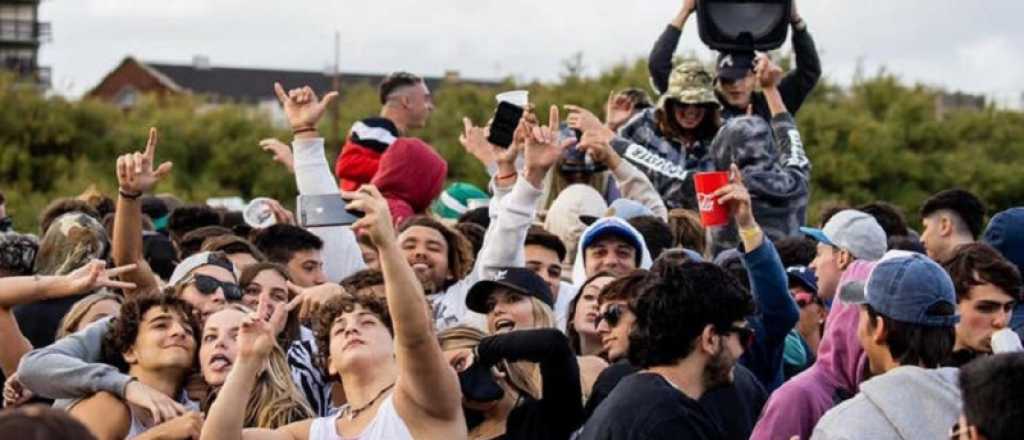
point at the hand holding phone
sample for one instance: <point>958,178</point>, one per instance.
<point>325,210</point>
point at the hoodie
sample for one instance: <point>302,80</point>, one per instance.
<point>579,272</point>
<point>360,156</point>
<point>410,189</point>
<point>905,403</point>
<point>775,169</point>
<point>795,408</point>
<point>563,216</point>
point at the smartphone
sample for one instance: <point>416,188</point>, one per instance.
<point>503,128</point>
<point>325,210</point>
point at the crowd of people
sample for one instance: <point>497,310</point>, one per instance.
<point>578,296</point>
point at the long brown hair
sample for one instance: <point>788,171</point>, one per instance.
<point>670,128</point>
<point>291,328</point>
<point>73,319</point>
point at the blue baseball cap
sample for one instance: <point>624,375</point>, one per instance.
<point>803,276</point>
<point>617,227</point>
<point>906,286</point>
<point>1005,232</point>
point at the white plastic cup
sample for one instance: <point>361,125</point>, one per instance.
<point>1006,341</point>
<point>518,98</point>
<point>258,213</point>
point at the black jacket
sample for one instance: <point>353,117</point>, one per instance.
<point>794,88</point>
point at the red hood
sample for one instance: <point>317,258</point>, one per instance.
<point>411,175</point>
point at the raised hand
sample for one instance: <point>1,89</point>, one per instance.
<point>736,196</point>
<point>474,140</point>
<point>95,275</point>
<point>302,107</point>
<point>135,173</point>
<point>617,110</point>
<point>257,336</point>
<point>281,214</point>
<point>376,222</point>
<point>597,144</point>
<point>768,73</point>
<point>582,119</point>
<point>281,151</point>
<point>543,149</point>
<point>311,299</point>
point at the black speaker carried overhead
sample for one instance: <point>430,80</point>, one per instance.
<point>741,25</point>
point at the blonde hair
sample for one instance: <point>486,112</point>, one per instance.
<point>73,319</point>
<point>523,376</point>
<point>275,401</point>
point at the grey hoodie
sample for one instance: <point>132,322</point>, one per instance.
<point>906,403</point>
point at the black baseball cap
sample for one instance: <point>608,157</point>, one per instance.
<point>735,65</point>
<point>521,280</point>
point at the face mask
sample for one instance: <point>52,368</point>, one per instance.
<point>478,384</point>
<point>6,224</point>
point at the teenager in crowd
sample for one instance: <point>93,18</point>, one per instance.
<point>950,218</point>
<point>538,401</point>
<point>1005,233</point>
<point>581,325</point>
<point>991,399</point>
<point>155,341</point>
<point>987,289</point>
<point>690,330</point>
<point>803,341</point>
<point>397,381</point>
<point>847,248</point>
<point>771,155</point>
<point>907,328</point>
<point>295,248</point>
<point>90,309</point>
<point>275,400</point>
<point>735,77</point>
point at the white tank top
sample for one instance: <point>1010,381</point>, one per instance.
<point>386,425</point>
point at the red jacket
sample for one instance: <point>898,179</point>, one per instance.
<point>360,156</point>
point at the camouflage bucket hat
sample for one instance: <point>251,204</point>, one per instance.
<point>72,240</point>
<point>690,83</point>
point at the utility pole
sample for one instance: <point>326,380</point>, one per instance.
<point>336,136</point>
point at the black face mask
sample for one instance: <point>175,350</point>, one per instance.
<point>6,224</point>
<point>478,384</point>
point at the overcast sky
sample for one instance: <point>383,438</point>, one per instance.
<point>975,46</point>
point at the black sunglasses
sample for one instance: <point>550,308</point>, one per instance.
<point>208,285</point>
<point>612,315</point>
<point>746,335</point>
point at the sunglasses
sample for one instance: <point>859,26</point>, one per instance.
<point>745,334</point>
<point>612,315</point>
<point>208,285</point>
<point>804,299</point>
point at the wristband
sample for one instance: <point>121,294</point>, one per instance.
<point>750,233</point>
<point>506,176</point>
<point>303,130</point>
<point>800,25</point>
<point>128,195</point>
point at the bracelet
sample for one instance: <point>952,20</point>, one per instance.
<point>749,234</point>
<point>507,176</point>
<point>303,130</point>
<point>129,196</point>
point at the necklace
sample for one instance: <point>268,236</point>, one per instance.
<point>351,413</point>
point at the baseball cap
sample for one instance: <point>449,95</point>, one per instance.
<point>196,261</point>
<point>855,231</point>
<point>1005,232</point>
<point>617,227</point>
<point>627,209</point>
<point>735,65</point>
<point>803,276</point>
<point>906,286</point>
<point>521,280</point>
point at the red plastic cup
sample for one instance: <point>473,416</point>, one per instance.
<point>711,212</point>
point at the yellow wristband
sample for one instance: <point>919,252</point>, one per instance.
<point>750,234</point>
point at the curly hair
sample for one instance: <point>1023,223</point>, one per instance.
<point>124,329</point>
<point>978,263</point>
<point>325,316</point>
<point>460,251</point>
<point>363,279</point>
<point>673,309</point>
